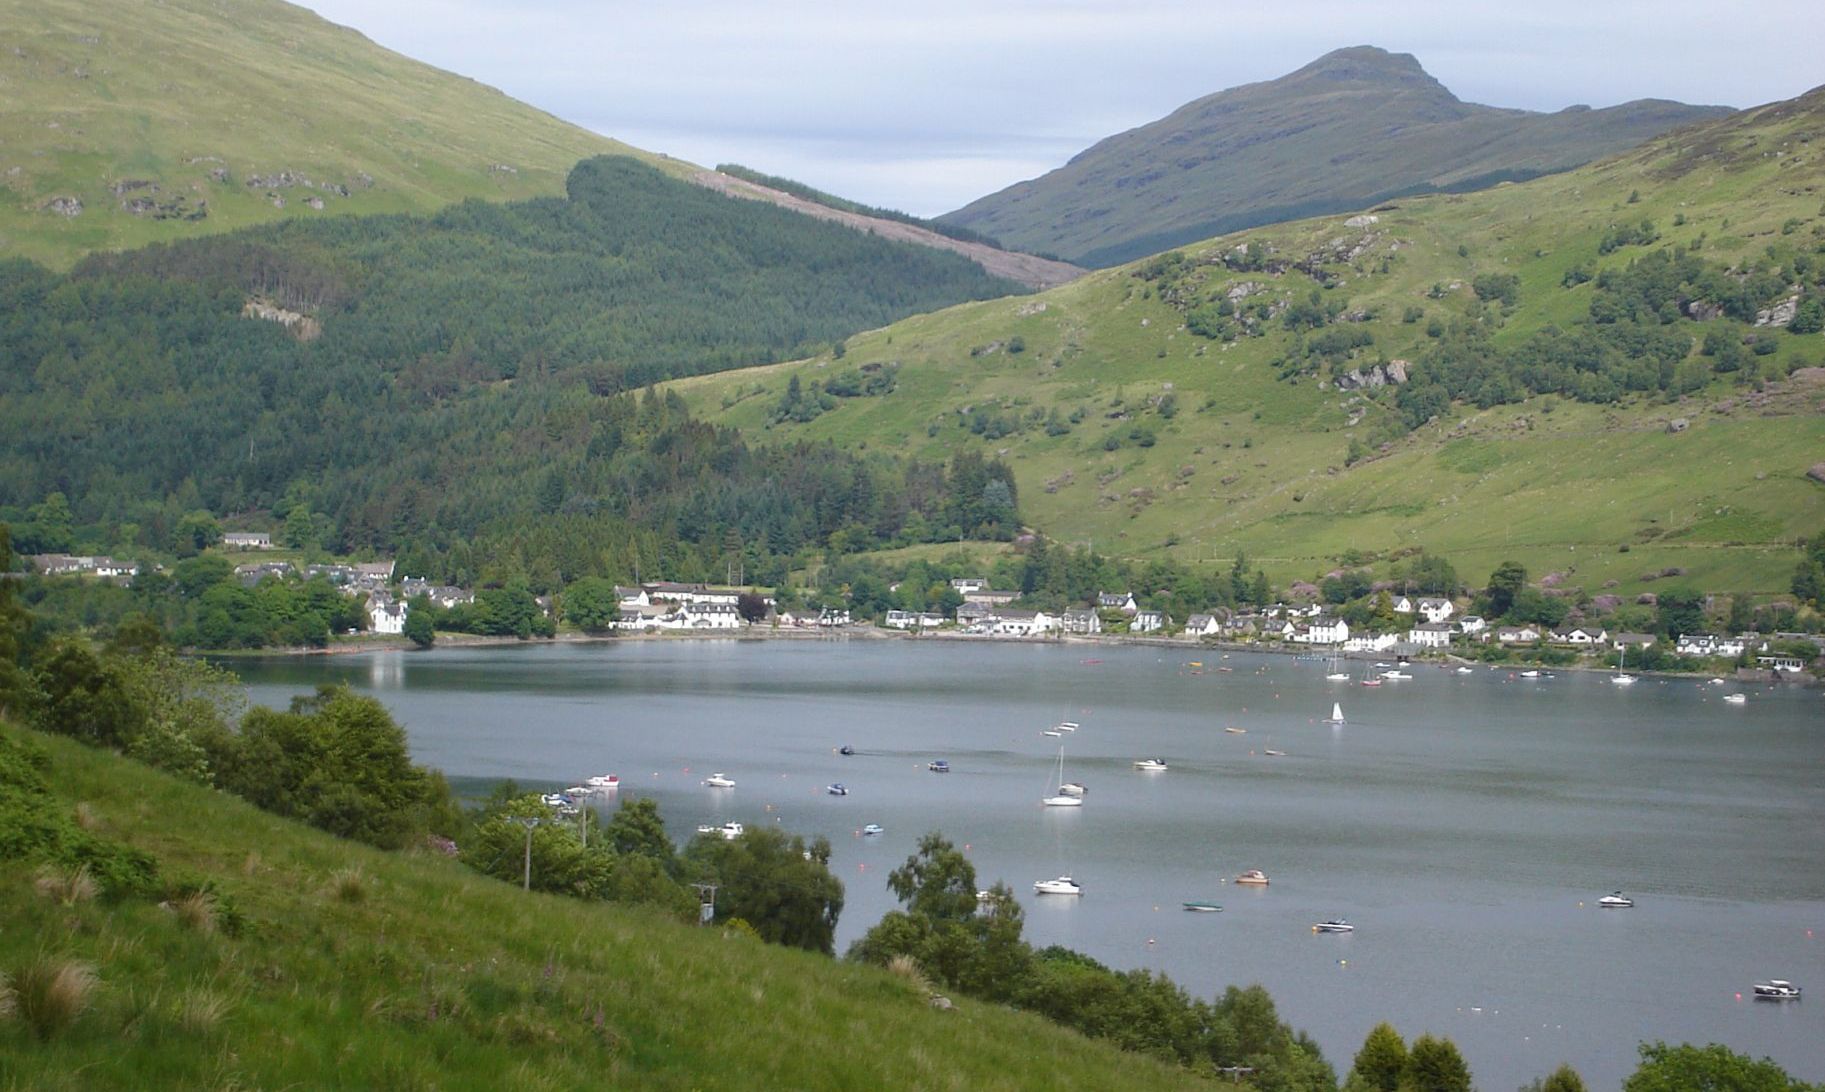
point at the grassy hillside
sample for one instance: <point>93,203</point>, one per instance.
<point>360,969</point>
<point>207,115</point>
<point>1352,128</point>
<point>1129,431</point>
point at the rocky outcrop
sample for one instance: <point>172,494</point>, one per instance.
<point>70,207</point>
<point>1780,314</point>
<point>1703,310</point>
<point>301,326</point>
<point>1678,424</point>
<point>1367,219</point>
<point>1393,373</point>
<point>1817,473</point>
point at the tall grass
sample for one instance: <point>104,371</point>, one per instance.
<point>67,886</point>
<point>50,994</point>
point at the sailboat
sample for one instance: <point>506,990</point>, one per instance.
<point>1336,675</point>
<point>1622,676</point>
<point>1336,713</point>
<point>1059,798</point>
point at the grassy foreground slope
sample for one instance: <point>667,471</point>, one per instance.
<point>1353,127</point>
<point>205,115</point>
<point>1240,459</point>
<point>363,969</point>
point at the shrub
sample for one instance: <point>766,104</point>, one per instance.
<point>50,994</point>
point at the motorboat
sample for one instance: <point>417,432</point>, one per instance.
<point>1339,676</point>
<point>1335,925</point>
<point>1051,732</point>
<point>1068,726</point>
<point>719,781</point>
<point>1396,673</point>
<point>1736,699</point>
<point>1464,671</point>
<point>1270,751</point>
<point>845,749</point>
<point>837,788</point>
<point>1253,876</point>
<point>874,828</point>
<point>1235,731</point>
<point>1776,989</point>
<point>1071,788</point>
<point>1618,901</point>
<point>1151,765</point>
<point>1203,907</point>
<point>555,800</point>
<point>729,831</point>
<point>938,766</point>
<point>1063,885</point>
<point>603,782</point>
<point>1530,673</point>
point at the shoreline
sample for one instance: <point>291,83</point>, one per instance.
<point>870,632</point>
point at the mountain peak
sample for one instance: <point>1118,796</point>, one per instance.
<point>1365,64</point>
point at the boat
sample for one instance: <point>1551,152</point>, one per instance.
<point>1336,716</point>
<point>1336,675</point>
<point>1395,673</point>
<point>837,788</point>
<point>1060,798</point>
<point>1371,682</point>
<point>1530,673</point>
<point>938,766</point>
<point>1736,699</point>
<point>1051,732</point>
<point>1203,907</point>
<point>1464,671</point>
<point>845,749</point>
<point>1072,788</point>
<point>1618,901</point>
<point>729,831</point>
<point>1622,676</point>
<point>1151,765</point>
<point>1335,925</point>
<point>1253,876</point>
<point>1063,885</point>
<point>603,782</point>
<point>1776,989</point>
<point>1234,731</point>
<point>1068,726</point>
<point>719,781</point>
<point>874,828</point>
<point>1271,751</point>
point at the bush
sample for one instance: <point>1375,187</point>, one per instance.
<point>50,994</point>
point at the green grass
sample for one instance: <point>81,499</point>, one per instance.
<point>363,969</point>
<point>100,92</point>
<point>1252,463</point>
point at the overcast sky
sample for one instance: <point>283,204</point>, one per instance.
<point>924,105</point>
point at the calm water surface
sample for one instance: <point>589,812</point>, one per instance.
<point>1465,823</point>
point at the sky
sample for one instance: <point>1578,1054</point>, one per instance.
<point>925,105</point>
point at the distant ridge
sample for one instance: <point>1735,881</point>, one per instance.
<point>126,123</point>
<point>1354,127</point>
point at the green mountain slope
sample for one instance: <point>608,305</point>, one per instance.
<point>1352,128</point>
<point>172,119</point>
<point>1138,416</point>
<point>356,968</point>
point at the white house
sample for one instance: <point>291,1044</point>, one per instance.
<point>1403,604</point>
<point>1081,620</point>
<point>1122,601</point>
<point>972,614</point>
<point>833,616</point>
<point>1516,635</point>
<point>710,616</point>
<point>1579,635</point>
<point>1202,625</point>
<point>247,540</point>
<point>1323,630</point>
<point>632,597</point>
<point>1472,624</point>
<point>1148,621</point>
<point>1435,610</point>
<point>964,585</point>
<point>1708,645</point>
<point>1371,642</point>
<point>1430,634</point>
<point>1023,623</point>
<point>386,616</point>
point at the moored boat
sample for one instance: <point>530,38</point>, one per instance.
<point>837,788</point>
<point>1253,876</point>
<point>1618,901</point>
<point>873,828</point>
<point>719,781</point>
<point>729,831</point>
<point>1063,885</point>
<point>938,766</point>
<point>603,782</point>
<point>1151,765</point>
<point>1736,699</point>
<point>1203,907</point>
<point>1776,989</point>
<point>1072,788</point>
<point>1335,925</point>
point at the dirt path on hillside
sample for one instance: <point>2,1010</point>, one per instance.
<point>1034,272</point>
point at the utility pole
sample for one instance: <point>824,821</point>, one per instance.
<point>529,822</point>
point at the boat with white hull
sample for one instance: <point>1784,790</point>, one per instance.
<point>1063,885</point>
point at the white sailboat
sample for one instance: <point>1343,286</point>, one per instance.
<point>1336,716</point>
<point>1058,797</point>
<point>1622,676</point>
<point>1336,675</point>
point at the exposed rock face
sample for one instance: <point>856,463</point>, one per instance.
<point>64,206</point>
<point>301,326</point>
<point>1703,310</point>
<point>1780,314</point>
<point>1365,220</point>
<point>1678,424</point>
<point>1394,372</point>
<point>1817,473</point>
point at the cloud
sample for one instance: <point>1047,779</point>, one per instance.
<point>926,105</point>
